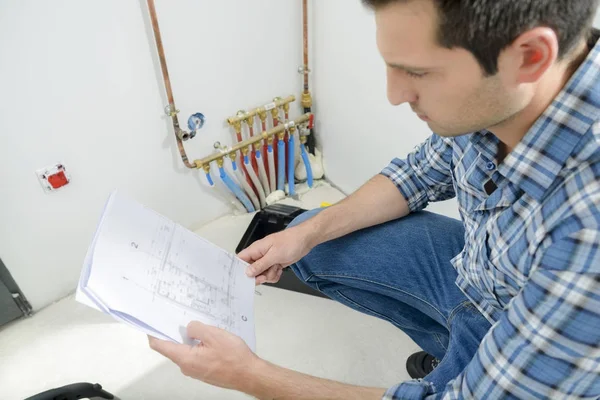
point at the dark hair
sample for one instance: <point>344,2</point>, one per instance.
<point>486,27</point>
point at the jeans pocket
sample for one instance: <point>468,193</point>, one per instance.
<point>344,299</point>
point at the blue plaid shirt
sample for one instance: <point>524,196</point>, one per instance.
<point>531,263</point>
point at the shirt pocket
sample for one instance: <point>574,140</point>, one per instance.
<point>469,177</point>
<point>505,284</point>
<point>508,266</point>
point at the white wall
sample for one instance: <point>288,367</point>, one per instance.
<point>81,85</point>
<point>359,131</point>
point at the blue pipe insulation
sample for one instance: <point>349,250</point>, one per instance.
<point>281,166</point>
<point>235,189</point>
<point>271,163</point>
<point>261,167</point>
<point>292,164</point>
<point>210,179</point>
<point>309,172</point>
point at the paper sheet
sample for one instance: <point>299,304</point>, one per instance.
<point>157,276</point>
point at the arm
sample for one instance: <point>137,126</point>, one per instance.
<point>404,186</point>
<point>546,344</point>
<point>376,202</point>
<point>269,381</point>
<point>223,359</point>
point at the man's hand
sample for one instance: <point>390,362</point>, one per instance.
<point>224,360</point>
<point>269,256</point>
<point>221,359</point>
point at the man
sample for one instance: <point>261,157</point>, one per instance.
<point>507,300</point>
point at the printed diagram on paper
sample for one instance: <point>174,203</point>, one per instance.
<point>172,273</point>
<point>149,272</point>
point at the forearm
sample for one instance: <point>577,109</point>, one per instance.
<point>268,381</point>
<point>376,202</point>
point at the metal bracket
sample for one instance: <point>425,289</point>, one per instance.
<point>171,111</point>
<point>23,304</point>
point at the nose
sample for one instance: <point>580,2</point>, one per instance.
<point>399,88</point>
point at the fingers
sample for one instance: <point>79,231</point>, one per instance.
<point>264,277</point>
<point>254,252</point>
<point>272,275</point>
<point>259,266</point>
<point>173,351</point>
<point>202,332</point>
<point>258,256</point>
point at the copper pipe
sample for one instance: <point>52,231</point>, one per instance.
<point>305,26</point>
<point>254,162</point>
<point>265,108</point>
<point>249,121</point>
<point>179,133</point>
<point>286,113</point>
<point>265,149</point>
<point>275,117</point>
<point>306,95</point>
<point>249,142</point>
<point>238,128</point>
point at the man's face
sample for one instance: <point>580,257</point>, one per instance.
<point>446,88</point>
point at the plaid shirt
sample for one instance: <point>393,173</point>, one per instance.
<point>531,263</point>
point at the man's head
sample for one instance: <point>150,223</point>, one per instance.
<point>466,65</point>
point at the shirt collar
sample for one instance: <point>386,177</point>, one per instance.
<point>538,159</point>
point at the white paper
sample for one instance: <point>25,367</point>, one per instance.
<point>157,276</point>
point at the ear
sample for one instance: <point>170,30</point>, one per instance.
<point>535,51</point>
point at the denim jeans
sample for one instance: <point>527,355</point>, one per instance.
<point>400,272</point>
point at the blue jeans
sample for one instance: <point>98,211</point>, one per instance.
<point>400,272</point>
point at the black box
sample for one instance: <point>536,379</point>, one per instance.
<point>270,220</point>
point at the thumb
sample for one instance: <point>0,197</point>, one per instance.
<point>202,332</point>
<point>260,266</point>
<point>255,251</point>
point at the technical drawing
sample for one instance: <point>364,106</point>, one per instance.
<point>173,278</point>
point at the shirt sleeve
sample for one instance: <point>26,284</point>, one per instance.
<point>426,174</point>
<point>546,344</point>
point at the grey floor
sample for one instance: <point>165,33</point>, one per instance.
<point>68,342</point>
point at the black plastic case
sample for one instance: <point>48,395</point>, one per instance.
<point>270,220</point>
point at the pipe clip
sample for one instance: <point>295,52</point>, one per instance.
<point>304,70</point>
<point>171,111</point>
<point>221,148</point>
<point>304,130</point>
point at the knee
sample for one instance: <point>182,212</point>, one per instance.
<point>302,268</point>
<point>304,217</point>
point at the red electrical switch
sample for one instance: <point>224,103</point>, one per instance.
<point>58,180</point>
<point>54,177</point>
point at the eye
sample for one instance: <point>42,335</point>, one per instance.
<point>415,75</point>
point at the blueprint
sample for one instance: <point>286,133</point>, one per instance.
<point>151,273</point>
